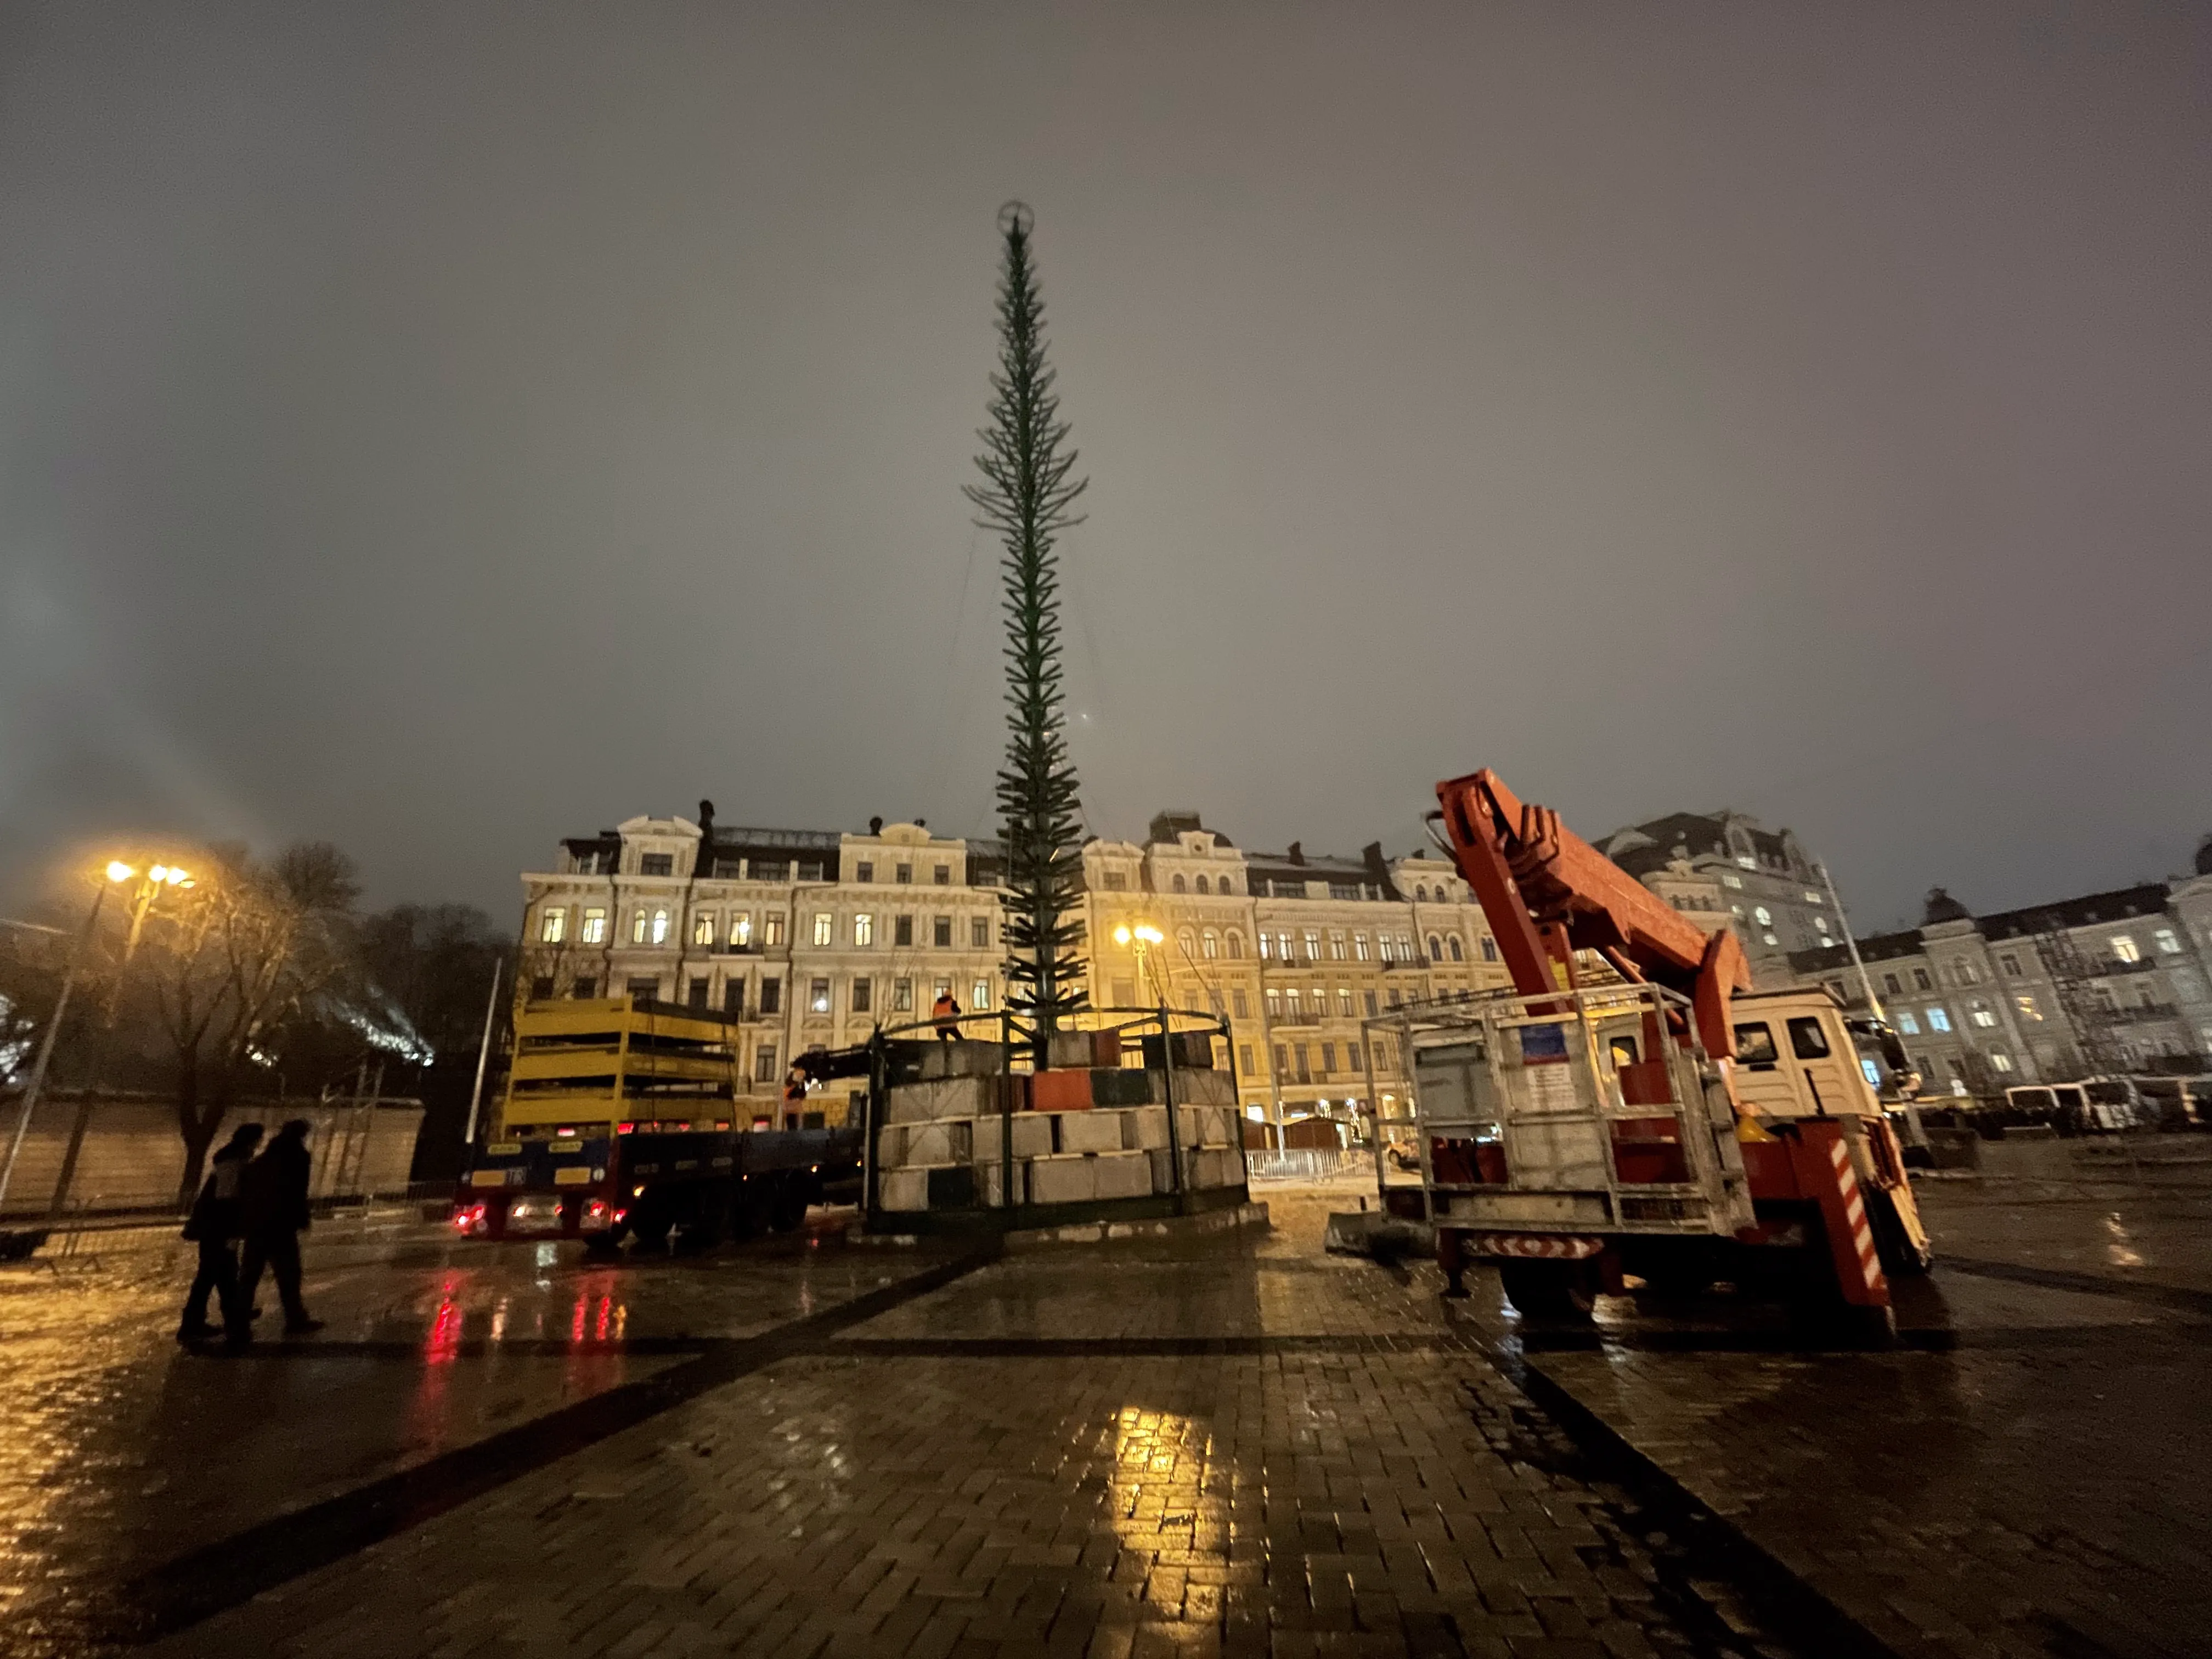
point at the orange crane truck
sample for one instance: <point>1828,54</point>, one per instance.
<point>1670,1125</point>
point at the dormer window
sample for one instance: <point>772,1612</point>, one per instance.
<point>656,864</point>
<point>1115,881</point>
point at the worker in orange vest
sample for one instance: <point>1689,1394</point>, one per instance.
<point>946,1013</point>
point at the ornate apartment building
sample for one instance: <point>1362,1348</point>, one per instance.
<point>1724,867</point>
<point>811,939</point>
<point>2109,982</point>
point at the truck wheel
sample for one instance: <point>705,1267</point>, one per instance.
<point>1900,1260</point>
<point>789,1208</point>
<point>751,1208</point>
<point>1563,1290</point>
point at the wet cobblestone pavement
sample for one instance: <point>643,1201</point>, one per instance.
<point>1226,1443</point>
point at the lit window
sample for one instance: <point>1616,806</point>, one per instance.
<point>824,926</point>
<point>595,927</point>
<point>2027,1008</point>
<point>1313,946</point>
<point>1812,897</point>
<point>1360,946</point>
<point>649,928</point>
<point>1728,880</point>
<point>1982,1014</point>
<point>2000,1060</point>
<point>979,996</point>
<point>979,931</point>
<point>1906,1022</point>
<point>1938,1020</point>
<point>1336,945</point>
<point>1759,915</point>
<point>2125,949</point>
<point>902,996</point>
<point>702,927</point>
<point>1746,861</point>
<point>661,927</point>
<point>553,926</point>
<point>741,927</point>
<point>1344,1002</point>
<point>771,930</point>
<point>817,997</point>
<point>1209,944</point>
<point>2168,942</point>
<point>864,929</point>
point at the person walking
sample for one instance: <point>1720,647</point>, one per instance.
<point>217,1218</point>
<point>946,1013</point>
<point>275,1198</point>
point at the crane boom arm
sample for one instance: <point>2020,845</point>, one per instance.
<point>1547,892</point>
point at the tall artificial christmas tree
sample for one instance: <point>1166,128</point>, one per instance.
<point>1025,495</point>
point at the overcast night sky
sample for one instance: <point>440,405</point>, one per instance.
<point>445,428</point>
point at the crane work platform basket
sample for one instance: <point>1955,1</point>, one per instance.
<point>1574,1112</point>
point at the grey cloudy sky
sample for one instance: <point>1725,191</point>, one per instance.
<point>443,428</point>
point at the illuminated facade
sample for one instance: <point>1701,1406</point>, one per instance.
<point>811,939</point>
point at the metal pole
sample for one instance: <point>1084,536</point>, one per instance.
<point>31,1091</point>
<point>484,1055</point>
<point>1873,1003</point>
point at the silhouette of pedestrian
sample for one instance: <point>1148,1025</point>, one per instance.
<point>217,1218</point>
<point>276,1195</point>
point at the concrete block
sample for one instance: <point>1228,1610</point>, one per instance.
<point>987,1183</point>
<point>903,1189</point>
<point>1065,1180</point>
<point>1144,1128</point>
<point>1124,1086</point>
<point>1215,1166</point>
<point>941,1097</point>
<point>1123,1174</point>
<point>1208,1088</point>
<point>950,1059</point>
<point>939,1143</point>
<point>1061,1091</point>
<point>1091,1132</point>
<point>1162,1167</point>
<point>1084,1051</point>
<point>1032,1138</point>
<point>1204,1126</point>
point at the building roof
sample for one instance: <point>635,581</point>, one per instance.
<point>2146,900</point>
<point>1642,848</point>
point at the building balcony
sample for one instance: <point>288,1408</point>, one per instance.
<point>1402,964</point>
<point>1294,1016</point>
<point>2139,1013</point>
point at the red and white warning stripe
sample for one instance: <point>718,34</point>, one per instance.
<point>1550,1247</point>
<point>1855,1212</point>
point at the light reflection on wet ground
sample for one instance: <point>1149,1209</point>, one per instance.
<point>119,1450</point>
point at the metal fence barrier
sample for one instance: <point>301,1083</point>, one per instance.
<point>1307,1163</point>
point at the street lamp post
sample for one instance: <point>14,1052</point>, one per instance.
<point>150,884</point>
